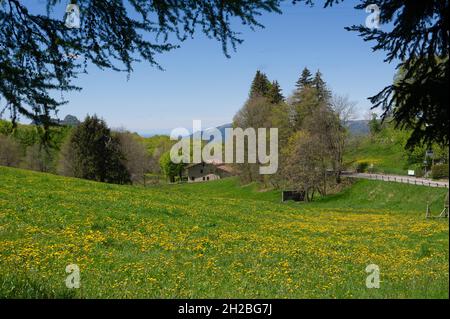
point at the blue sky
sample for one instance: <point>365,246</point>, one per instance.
<point>199,82</point>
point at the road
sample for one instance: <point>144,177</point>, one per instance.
<point>399,179</point>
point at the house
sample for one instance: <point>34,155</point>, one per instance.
<point>207,171</point>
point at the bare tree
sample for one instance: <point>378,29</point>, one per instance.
<point>65,164</point>
<point>39,158</point>
<point>305,167</point>
<point>10,152</point>
<point>344,108</point>
<point>256,113</point>
<point>325,124</point>
<point>137,160</point>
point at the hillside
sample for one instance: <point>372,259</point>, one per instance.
<point>215,240</point>
<point>358,127</point>
<point>387,153</point>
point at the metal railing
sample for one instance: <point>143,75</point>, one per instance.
<point>405,180</point>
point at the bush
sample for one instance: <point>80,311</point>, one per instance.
<point>439,171</point>
<point>418,170</point>
<point>362,167</point>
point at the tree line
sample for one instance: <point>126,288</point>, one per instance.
<point>312,132</point>
<point>89,150</point>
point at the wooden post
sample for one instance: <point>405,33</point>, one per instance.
<point>444,213</point>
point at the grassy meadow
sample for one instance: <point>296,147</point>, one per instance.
<point>217,240</point>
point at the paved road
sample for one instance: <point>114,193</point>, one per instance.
<point>400,179</point>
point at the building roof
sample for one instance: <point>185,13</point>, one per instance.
<point>219,165</point>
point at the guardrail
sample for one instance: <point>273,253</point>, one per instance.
<point>398,179</point>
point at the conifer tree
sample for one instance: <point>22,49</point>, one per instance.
<point>37,50</point>
<point>260,86</point>
<point>319,84</point>
<point>275,95</point>
<point>303,82</point>
<point>94,153</point>
<point>305,79</point>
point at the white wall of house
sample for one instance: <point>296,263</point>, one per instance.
<point>202,173</point>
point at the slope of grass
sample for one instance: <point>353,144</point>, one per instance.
<point>386,196</point>
<point>205,241</point>
<point>386,151</point>
<point>385,159</point>
<point>228,188</point>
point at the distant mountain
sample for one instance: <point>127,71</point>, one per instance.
<point>223,127</point>
<point>69,120</point>
<point>358,127</point>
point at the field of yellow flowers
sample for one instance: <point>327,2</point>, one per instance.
<point>207,242</point>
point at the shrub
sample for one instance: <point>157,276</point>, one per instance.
<point>439,171</point>
<point>418,170</point>
<point>362,167</point>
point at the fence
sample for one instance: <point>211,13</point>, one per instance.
<point>399,179</point>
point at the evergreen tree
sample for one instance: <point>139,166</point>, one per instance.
<point>260,86</point>
<point>37,50</point>
<point>303,83</point>
<point>275,96</point>
<point>304,80</point>
<point>95,153</point>
<point>418,43</point>
<point>308,103</point>
<point>319,84</point>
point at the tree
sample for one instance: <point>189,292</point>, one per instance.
<point>323,93</point>
<point>10,152</point>
<point>169,168</point>
<point>275,95</point>
<point>310,92</point>
<point>327,127</point>
<point>305,165</point>
<point>419,39</point>
<point>302,83</point>
<point>40,56</point>
<point>256,113</point>
<point>305,105</point>
<point>374,125</point>
<point>136,159</point>
<point>260,86</point>
<point>304,80</point>
<point>94,153</point>
<point>39,158</point>
<point>343,107</point>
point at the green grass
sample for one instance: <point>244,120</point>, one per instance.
<point>385,151</point>
<point>386,196</point>
<point>228,188</point>
<point>216,240</point>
